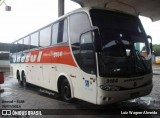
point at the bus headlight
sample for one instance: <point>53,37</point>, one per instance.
<point>110,88</point>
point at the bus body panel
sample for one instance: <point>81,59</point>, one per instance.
<point>129,88</point>
<point>116,96</point>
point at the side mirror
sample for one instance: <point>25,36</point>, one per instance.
<point>150,42</point>
<point>95,31</point>
<point>149,37</point>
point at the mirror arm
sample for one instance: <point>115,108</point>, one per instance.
<point>149,37</point>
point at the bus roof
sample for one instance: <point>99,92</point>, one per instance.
<point>84,9</point>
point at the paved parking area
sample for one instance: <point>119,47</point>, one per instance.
<point>16,97</point>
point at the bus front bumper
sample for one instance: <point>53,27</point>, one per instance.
<point>109,97</point>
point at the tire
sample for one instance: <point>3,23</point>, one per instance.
<point>24,80</point>
<point>66,91</point>
<point>19,79</point>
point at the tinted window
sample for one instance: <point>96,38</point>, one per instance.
<point>34,40</point>
<point>26,41</point>
<point>111,20</point>
<point>82,45</point>
<point>65,31</point>
<point>87,56</point>
<point>62,33</point>
<point>79,23</point>
<point>4,56</point>
<point>55,33</point>
<point>20,45</point>
<point>45,36</point>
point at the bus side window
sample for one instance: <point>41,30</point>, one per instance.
<point>26,43</point>
<point>34,40</point>
<point>55,33</point>
<point>78,24</point>
<point>45,36</point>
<point>65,31</point>
<point>62,33</point>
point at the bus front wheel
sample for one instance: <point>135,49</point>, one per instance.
<point>66,91</point>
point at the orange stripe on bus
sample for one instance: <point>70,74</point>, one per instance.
<point>58,54</point>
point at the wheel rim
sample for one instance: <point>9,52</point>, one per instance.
<point>67,92</point>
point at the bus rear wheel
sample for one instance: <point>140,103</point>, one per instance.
<point>66,91</point>
<point>24,79</point>
<point>19,79</point>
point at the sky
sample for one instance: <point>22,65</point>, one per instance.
<point>27,16</point>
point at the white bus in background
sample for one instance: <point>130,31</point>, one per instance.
<point>91,54</point>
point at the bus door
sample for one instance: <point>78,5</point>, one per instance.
<point>88,65</point>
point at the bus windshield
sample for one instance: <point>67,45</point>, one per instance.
<point>124,46</point>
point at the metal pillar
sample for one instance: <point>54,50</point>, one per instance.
<point>60,8</point>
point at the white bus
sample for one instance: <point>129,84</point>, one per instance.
<point>91,54</point>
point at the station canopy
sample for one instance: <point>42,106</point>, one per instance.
<point>148,8</point>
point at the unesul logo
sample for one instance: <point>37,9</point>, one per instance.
<point>29,58</point>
